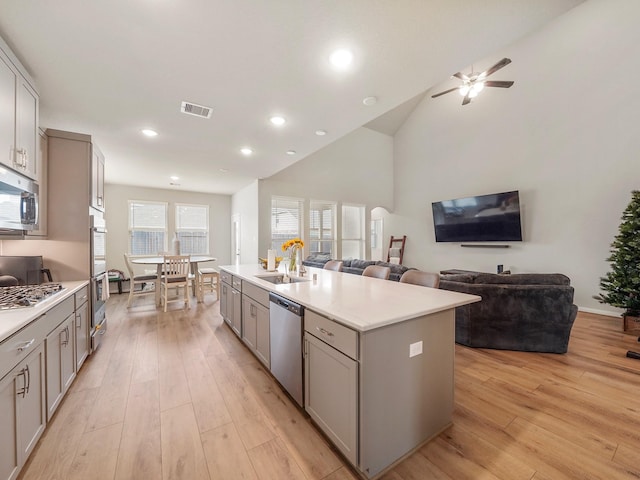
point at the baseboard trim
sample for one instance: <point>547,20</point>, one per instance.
<point>597,311</point>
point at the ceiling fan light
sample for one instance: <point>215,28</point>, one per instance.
<point>464,89</point>
<point>477,87</point>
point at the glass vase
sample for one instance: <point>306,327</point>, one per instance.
<point>293,263</point>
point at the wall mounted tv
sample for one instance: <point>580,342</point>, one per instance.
<point>484,218</point>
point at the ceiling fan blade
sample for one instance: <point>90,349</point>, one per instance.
<point>461,76</point>
<point>466,99</point>
<point>446,91</point>
<point>502,63</point>
<point>498,83</point>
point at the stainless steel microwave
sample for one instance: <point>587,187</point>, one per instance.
<point>18,202</point>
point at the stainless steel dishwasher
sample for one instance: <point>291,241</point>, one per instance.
<point>285,334</point>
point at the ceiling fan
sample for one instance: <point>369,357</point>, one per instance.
<point>475,82</point>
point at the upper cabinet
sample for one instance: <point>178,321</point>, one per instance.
<point>97,178</point>
<point>19,106</point>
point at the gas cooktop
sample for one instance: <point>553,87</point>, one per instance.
<point>21,296</point>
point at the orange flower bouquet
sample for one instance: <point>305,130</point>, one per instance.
<point>292,246</point>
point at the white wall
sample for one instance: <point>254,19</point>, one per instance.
<point>565,135</point>
<point>117,219</point>
<point>355,169</point>
<point>244,204</point>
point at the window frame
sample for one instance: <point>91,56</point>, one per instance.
<point>323,206</point>
<point>178,229</point>
<point>132,228</point>
<point>276,243</point>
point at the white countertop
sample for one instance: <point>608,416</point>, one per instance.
<point>14,319</point>
<point>362,303</point>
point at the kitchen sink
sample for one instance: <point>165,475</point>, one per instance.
<point>278,279</point>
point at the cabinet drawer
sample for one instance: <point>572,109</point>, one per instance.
<point>338,336</point>
<point>260,295</point>
<point>225,277</point>
<point>15,348</point>
<point>58,314</point>
<point>237,283</point>
<point>81,296</point>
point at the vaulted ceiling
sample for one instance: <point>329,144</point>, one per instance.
<point>111,68</point>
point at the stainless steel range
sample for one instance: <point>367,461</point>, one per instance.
<point>20,296</point>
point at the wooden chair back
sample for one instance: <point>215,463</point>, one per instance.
<point>377,271</point>
<point>418,277</point>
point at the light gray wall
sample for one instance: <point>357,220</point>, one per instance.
<point>355,169</point>
<point>565,135</point>
<point>117,219</point>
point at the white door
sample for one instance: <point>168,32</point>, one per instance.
<point>235,239</point>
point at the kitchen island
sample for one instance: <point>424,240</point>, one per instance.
<point>378,356</point>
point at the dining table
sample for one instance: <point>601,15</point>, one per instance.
<point>159,260</point>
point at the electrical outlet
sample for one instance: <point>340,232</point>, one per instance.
<point>415,349</point>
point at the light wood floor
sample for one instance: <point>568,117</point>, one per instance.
<point>177,396</point>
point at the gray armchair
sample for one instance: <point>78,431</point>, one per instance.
<point>524,312</point>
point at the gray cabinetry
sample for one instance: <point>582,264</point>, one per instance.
<point>231,301</point>
<point>60,353</point>
<point>19,104</point>
<point>22,409</point>
<point>81,326</point>
<point>331,381</point>
<point>255,321</point>
<point>97,178</point>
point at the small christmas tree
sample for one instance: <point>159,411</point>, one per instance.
<point>622,283</point>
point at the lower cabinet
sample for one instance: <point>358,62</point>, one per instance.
<point>82,329</point>
<point>235,314</point>
<point>331,383</point>
<point>255,328</point>
<point>231,301</point>
<point>61,366</point>
<point>22,412</point>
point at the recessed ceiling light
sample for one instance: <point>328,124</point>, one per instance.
<point>368,101</point>
<point>277,120</point>
<point>149,133</point>
<point>341,58</point>
<point>321,133</point>
<point>223,170</point>
<point>246,151</point>
<point>291,152</point>
<point>174,178</point>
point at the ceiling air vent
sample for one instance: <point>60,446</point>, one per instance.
<point>197,110</point>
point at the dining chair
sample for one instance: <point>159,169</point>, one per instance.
<point>175,274</point>
<point>418,277</point>
<point>135,280</point>
<point>377,271</point>
<point>335,265</point>
<point>208,280</point>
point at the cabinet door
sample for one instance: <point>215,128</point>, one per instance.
<point>236,312</point>
<point>331,386</point>
<point>60,364</point>
<point>25,159</point>
<point>9,386</point>
<point>249,322</point>
<point>97,178</point>
<point>7,113</point>
<point>31,416</point>
<point>225,291</point>
<point>263,351</point>
<point>82,334</point>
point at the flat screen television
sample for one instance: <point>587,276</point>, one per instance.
<point>483,218</point>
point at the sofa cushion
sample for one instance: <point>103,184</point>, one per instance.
<point>346,262</point>
<point>522,279</point>
<point>361,264</point>
<point>395,268</point>
<point>460,277</point>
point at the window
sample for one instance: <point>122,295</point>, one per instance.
<point>321,227</point>
<point>192,229</point>
<point>147,227</point>
<point>352,231</point>
<point>286,220</point>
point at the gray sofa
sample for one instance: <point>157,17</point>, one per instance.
<point>355,266</point>
<point>526,312</point>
